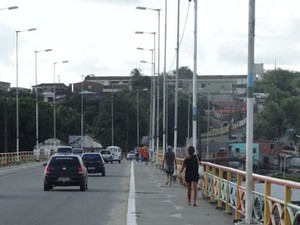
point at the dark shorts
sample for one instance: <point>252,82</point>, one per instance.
<point>169,169</point>
<point>191,178</point>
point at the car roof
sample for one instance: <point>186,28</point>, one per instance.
<point>65,155</point>
<point>86,153</point>
<point>64,146</point>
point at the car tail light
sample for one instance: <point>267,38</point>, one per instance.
<point>81,170</point>
<point>47,170</point>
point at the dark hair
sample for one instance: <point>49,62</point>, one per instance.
<point>191,150</point>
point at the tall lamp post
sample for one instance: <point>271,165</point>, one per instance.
<point>153,86</point>
<point>54,101</point>
<point>17,86</point>
<point>158,72</point>
<point>36,100</point>
<point>153,99</point>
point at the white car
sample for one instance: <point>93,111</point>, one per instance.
<point>106,155</point>
<point>130,155</point>
<point>116,153</point>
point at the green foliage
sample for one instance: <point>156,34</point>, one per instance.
<point>282,107</point>
<point>98,112</point>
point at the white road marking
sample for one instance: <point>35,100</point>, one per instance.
<point>131,211</point>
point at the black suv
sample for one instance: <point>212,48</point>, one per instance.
<point>65,170</point>
<point>94,163</point>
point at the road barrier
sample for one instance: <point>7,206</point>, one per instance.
<point>9,159</point>
<point>275,201</point>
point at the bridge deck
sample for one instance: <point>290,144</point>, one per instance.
<point>156,203</point>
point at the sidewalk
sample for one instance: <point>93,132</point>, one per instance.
<point>158,204</point>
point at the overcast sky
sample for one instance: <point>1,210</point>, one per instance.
<point>98,37</point>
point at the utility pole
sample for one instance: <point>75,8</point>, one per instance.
<point>176,83</point>
<point>250,101</point>
<point>195,81</point>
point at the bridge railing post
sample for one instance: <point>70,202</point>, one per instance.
<point>227,206</point>
<point>267,214</point>
<point>287,199</point>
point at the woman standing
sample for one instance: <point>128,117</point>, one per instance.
<point>190,165</point>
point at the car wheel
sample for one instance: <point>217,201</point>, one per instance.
<point>83,186</point>
<point>46,187</point>
<point>119,161</point>
<point>103,174</point>
<point>111,162</point>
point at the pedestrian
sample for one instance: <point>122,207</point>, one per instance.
<point>145,154</point>
<point>169,164</point>
<point>141,149</point>
<point>190,165</point>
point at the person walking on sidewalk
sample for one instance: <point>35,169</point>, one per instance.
<point>145,154</point>
<point>169,164</point>
<point>190,165</point>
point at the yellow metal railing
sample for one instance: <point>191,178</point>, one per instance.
<point>225,186</point>
<point>9,159</point>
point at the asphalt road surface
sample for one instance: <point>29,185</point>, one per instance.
<point>23,201</point>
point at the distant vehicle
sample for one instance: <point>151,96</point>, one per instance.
<point>65,170</point>
<point>234,139</point>
<point>77,151</point>
<point>93,162</point>
<point>130,155</point>
<point>106,155</point>
<point>222,153</point>
<point>116,153</point>
<point>64,150</point>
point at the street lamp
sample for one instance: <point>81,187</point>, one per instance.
<point>158,69</point>
<point>153,85</point>
<point>153,103</point>
<point>17,85</point>
<point>54,101</point>
<point>36,100</point>
<point>82,93</point>
<point>10,8</point>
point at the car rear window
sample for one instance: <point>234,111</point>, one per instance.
<point>105,152</point>
<point>67,161</point>
<point>64,150</point>
<point>91,157</point>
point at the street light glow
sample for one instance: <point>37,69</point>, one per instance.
<point>9,8</point>
<point>141,8</point>
<point>146,8</point>
<point>12,7</point>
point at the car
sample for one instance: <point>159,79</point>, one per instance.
<point>106,155</point>
<point>64,150</point>
<point>94,162</point>
<point>65,170</point>
<point>77,151</point>
<point>130,155</point>
<point>116,153</point>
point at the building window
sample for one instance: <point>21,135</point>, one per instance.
<point>237,150</point>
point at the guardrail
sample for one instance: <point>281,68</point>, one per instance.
<point>9,159</point>
<point>224,186</point>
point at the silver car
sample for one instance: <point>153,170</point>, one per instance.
<point>107,155</point>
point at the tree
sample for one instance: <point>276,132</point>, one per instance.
<point>282,107</point>
<point>138,81</point>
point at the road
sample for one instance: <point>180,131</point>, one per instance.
<point>23,201</point>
